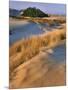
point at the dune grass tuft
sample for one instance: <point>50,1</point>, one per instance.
<point>25,49</point>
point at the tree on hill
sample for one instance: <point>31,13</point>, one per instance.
<point>33,12</point>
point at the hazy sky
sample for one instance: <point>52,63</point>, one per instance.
<point>46,7</point>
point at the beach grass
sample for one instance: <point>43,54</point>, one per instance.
<point>25,49</point>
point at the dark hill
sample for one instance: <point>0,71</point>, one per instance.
<point>33,12</point>
<point>13,12</point>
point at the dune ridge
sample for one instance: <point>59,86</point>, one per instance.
<point>25,49</point>
<point>29,62</point>
<point>38,72</point>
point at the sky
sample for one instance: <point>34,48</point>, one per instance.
<point>51,8</point>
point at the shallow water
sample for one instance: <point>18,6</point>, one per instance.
<point>59,54</point>
<point>24,31</point>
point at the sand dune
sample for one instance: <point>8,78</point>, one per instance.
<point>30,64</point>
<point>37,72</point>
<point>50,20</point>
<point>20,50</point>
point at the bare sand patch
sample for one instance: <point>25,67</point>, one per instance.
<point>14,22</point>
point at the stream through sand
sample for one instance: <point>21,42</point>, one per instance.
<point>24,31</point>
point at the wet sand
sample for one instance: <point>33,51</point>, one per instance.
<point>15,22</point>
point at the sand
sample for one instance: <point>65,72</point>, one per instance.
<point>14,22</point>
<point>39,70</point>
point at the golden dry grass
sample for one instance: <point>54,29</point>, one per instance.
<point>30,66</point>
<point>26,49</point>
<point>38,72</point>
<point>49,20</point>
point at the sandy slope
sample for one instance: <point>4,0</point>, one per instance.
<point>38,70</point>
<point>30,62</point>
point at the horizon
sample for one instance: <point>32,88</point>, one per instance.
<point>50,8</point>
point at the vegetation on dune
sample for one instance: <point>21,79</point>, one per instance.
<point>26,49</point>
<point>33,12</point>
<point>25,68</point>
